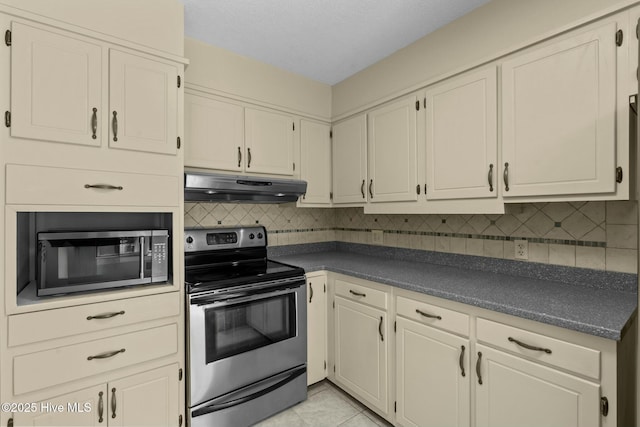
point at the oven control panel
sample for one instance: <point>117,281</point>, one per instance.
<point>206,239</point>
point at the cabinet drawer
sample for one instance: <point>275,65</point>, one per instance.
<point>50,324</point>
<point>51,367</point>
<point>363,294</point>
<point>582,360</point>
<point>433,315</point>
<point>39,185</point>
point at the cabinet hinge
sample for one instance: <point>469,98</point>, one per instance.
<point>604,406</point>
<point>179,143</point>
<point>180,374</point>
<point>331,133</point>
<point>425,103</point>
<point>10,422</point>
<point>334,369</point>
<point>325,365</point>
<point>417,105</point>
<point>294,125</point>
<point>294,166</point>
<point>7,37</point>
<point>325,287</point>
<point>395,406</point>
<point>334,305</point>
<point>7,119</point>
<point>619,174</point>
<point>180,421</point>
<point>179,81</point>
<point>619,37</point>
<point>418,189</point>
<point>331,195</point>
<point>637,33</point>
<point>395,326</point>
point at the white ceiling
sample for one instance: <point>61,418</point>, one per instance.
<point>325,40</point>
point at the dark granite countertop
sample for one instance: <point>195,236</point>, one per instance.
<point>594,310</point>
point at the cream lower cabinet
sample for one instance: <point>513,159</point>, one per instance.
<point>315,162</point>
<point>316,327</point>
<point>511,391</point>
<point>362,343</point>
<point>146,399</point>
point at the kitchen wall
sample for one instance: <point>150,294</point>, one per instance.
<point>597,235</point>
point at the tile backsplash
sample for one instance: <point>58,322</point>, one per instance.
<point>597,235</point>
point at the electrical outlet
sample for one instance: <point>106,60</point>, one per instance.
<point>377,237</point>
<point>521,250</point>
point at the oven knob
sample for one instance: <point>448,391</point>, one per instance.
<point>259,235</point>
<point>252,236</point>
<point>189,239</point>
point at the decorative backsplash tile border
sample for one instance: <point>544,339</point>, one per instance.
<point>592,235</point>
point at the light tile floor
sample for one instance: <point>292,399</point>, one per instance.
<point>326,406</point>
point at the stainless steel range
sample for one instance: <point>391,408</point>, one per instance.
<point>247,328</point>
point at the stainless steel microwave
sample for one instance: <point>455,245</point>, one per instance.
<point>70,262</point>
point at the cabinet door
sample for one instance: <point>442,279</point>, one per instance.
<point>147,399</point>
<point>56,83</point>
<point>214,134</point>
<point>462,144</point>
<point>316,329</point>
<point>315,157</point>
<point>82,408</point>
<point>559,109</point>
<point>350,161</point>
<point>432,377</point>
<point>516,392</point>
<point>268,142</point>
<point>361,351</point>
<point>393,152</point>
<point>143,99</point>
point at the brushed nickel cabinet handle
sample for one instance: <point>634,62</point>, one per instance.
<point>106,315</point>
<point>248,157</point>
<point>478,372</point>
<point>114,125</point>
<point>462,360</point>
<point>529,347</point>
<point>100,407</point>
<point>94,123</point>
<point>358,294</point>
<point>310,292</point>
<point>113,402</point>
<point>106,355</point>
<point>104,186</point>
<point>362,188</point>
<point>490,177</point>
<point>380,329</point>
<point>505,177</point>
<point>430,316</point>
<point>371,189</point>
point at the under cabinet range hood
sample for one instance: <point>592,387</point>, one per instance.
<point>201,187</point>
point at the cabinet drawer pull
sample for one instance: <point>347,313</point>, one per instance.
<point>490,177</point>
<point>104,186</point>
<point>462,360</point>
<point>113,402</point>
<point>248,157</point>
<point>529,347</point>
<point>106,315</point>
<point>310,292</point>
<point>106,355</point>
<point>100,407</point>
<point>362,189</point>
<point>430,316</point>
<point>380,329</point>
<point>239,156</point>
<point>371,189</point>
<point>505,177</point>
<point>94,123</point>
<point>478,368</point>
<point>114,126</point>
<point>358,294</point>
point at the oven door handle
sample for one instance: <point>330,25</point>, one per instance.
<point>219,301</point>
<point>219,406</point>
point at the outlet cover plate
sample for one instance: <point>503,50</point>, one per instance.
<point>377,237</point>
<point>521,249</point>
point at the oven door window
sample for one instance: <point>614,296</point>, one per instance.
<point>238,328</point>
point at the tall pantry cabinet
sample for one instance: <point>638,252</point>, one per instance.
<point>93,124</point>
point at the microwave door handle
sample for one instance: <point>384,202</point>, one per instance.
<point>142,249</point>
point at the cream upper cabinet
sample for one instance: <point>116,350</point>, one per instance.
<point>143,100</point>
<point>392,133</point>
<point>214,134</point>
<point>349,156</point>
<point>461,136</point>
<point>269,142</point>
<point>432,377</point>
<point>361,342</point>
<point>315,162</point>
<point>559,116</point>
<point>316,328</point>
<point>511,391</point>
<point>56,86</point>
